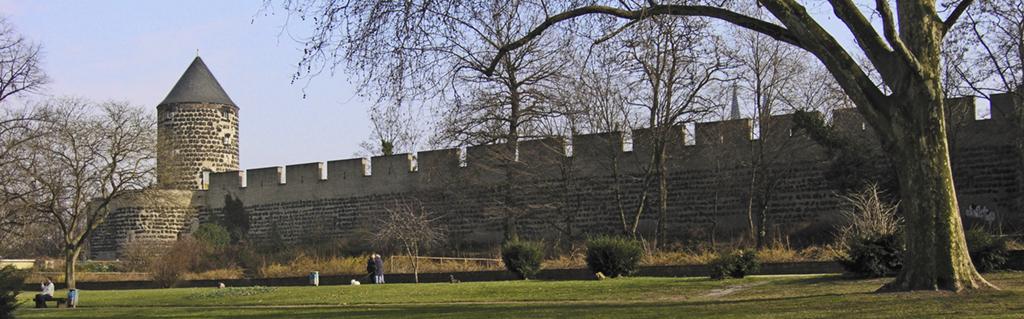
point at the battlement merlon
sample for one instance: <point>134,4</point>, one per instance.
<point>591,153</point>
<point>265,177</point>
<point>438,166</point>
<point>675,137</point>
<point>305,173</point>
<point>1007,106</point>
<point>227,180</point>
<point>724,132</point>
<point>346,169</point>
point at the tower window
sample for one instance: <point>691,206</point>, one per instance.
<point>205,180</point>
<point>225,114</point>
<point>227,139</point>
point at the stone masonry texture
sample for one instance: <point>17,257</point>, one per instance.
<point>555,195</point>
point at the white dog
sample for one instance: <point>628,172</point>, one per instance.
<point>354,282</point>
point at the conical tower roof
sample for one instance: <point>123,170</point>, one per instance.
<point>197,85</point>
<point>734,114</point>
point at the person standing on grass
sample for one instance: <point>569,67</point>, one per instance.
<point>379,268</point>
<point>46,294</point>
<point>371,267</point>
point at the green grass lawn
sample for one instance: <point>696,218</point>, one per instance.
<point>814,296</point>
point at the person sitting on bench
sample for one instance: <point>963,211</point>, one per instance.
<point>46,295</point>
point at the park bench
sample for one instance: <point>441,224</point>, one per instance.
<point>61,302</point>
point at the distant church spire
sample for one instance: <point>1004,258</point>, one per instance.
<point>734,114</point>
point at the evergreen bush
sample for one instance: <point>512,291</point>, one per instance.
<point>870,243</point>
<point>11,281</point>
<point>739,264</point>
<point>522,258</point>
<point>614,256</point>
<point>988,252</point>
<point>216,236</point>
<point>873,257</point>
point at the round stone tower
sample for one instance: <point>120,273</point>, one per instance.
<point>197,130</point>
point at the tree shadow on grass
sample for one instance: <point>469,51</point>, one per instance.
<point>491,311</point>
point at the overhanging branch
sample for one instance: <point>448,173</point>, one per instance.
<point>770,29</point>
<point>955,15</point>
<point>861,28</point>
<point>889,28</point>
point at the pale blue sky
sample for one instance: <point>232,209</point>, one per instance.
<point>136,50</point>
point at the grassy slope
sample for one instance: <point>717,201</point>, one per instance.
<point>779,297</point>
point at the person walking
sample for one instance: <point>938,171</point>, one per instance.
<point>371,268</point>
<point>379,267</point>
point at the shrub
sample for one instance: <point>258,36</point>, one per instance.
<point>614,256</point>
<point>138,255</point>
<point>216,236</point>
<point>170,268</point>
<point>870,242</point>
<point>988,252</point>
<point>522,258</point>
<point>11,281</point>
<point>739,264</point>
<point>870,257</point>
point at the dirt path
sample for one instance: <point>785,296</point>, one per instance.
<point>722,292</point>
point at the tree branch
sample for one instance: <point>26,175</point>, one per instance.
<point>848,74</point>
<point>889,28</point>
<point>608,36</point>
<point>770,29</point>
<point>957,12</point>
<point>867,38</point>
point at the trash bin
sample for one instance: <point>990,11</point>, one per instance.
<point>314,278</point>
<point>72,298</point>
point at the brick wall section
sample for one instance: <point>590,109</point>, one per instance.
<point>192,138</point>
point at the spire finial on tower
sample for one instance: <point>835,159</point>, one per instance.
<point>734,114</point>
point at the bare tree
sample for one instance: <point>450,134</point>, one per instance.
<point>409,226</point>
<point>908,114</point>
<point>16,129</point>
<point>20,73</point>
<point>985,56</point>
<point>20,63</point>
<point>394,128</point>
<point>87,157</point>
<point>675,61</point>
<point>596,99</point>
<point>991,38</point>
<point>769,71</point>
<point>434,53</point>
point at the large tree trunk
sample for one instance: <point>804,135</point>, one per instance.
<point>70,260</point>
<point>936,255</point>
<point>914,133</point>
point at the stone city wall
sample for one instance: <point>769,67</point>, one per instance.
<point>560,195</point>
<point>155,217</point>
<point>560,191</point>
